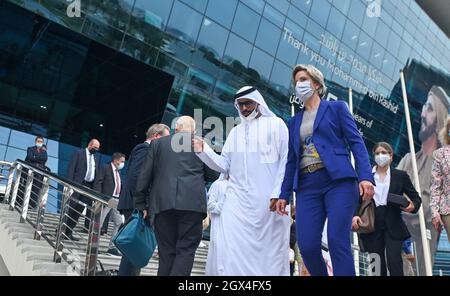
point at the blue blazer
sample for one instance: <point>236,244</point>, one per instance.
<point>37,157</point>
<point>135,162</point>
<point>334,130</point>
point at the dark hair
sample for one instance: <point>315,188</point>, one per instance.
<point>385,145</point>
<point>117,155</point>
<point>39,137</point>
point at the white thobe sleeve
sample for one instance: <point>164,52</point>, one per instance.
<point>212,198</point>
<point>219,163</point>
<point>282,137</point>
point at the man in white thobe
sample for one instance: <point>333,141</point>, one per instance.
<point>254,239</point>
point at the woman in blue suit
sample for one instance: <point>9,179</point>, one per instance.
<point>320,172</point>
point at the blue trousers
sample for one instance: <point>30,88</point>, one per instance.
<point>319,198</point>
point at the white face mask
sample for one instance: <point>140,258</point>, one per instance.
<point>121,165</point>
<point>382,159</point>
<point>39,145</point>
<point>303,90</point>
<point>251,116</point>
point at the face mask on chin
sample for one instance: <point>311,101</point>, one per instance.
<point>251,116</point>
<point>93,151</point>
<point>382,159</point>
<point>120,166</point>
<point>39,145</point>
<point>303,90</point>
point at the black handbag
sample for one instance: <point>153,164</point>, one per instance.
<point>397,200</point>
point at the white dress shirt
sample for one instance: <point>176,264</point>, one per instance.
<point>382,187</point>
<point>90,171</point>
<point>117,181</point>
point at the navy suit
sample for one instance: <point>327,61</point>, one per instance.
<point>77,172</point>
<point>104,180</point>
<point>37,156</point>
<point>328,193</point>
<point>135,162</point>
<point>126,204</point>
<point>78,166</point>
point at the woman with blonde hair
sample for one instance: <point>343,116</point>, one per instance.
<point>319,170</point>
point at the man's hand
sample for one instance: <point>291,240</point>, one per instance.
<point>366,190</point>
<point>281,207</point>
<point>410,257</point>
<point>197,143</point>
<point>437,222</point>
<point>145,214</point>
<point>273,204</point>
<point>356,221</point>
<point>410,208</point>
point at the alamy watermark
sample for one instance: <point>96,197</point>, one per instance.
<point>74,8</point>
<point>373,8</point>
<point>265,138</point>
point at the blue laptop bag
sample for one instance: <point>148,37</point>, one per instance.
<point>136,240</point>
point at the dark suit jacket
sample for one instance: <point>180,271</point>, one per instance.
<point>36,157</point>
<point>78,166</point>
<point>104,180</point>
<point>172,180</point>
<point>135,162</point>
<point>400,184</point>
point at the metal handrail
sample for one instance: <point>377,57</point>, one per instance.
<point>25,180</point>
<point>92,194</point>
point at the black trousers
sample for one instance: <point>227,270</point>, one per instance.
<point>126,268</point>
<point>35,189</point>
<point>178,234</point>
<point>381,242</point>
<point>75,210</point>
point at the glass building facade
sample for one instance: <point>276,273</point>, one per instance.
<point>124,64</point>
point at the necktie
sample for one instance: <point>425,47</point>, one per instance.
<point>117,181</point>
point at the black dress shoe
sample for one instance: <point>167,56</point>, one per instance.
<point>70,237</point>
<point>114,252</point>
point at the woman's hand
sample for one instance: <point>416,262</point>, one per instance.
<point>409,209</point>
<point>355,222</point>
<point>366,190</point>
<point>437,222</point>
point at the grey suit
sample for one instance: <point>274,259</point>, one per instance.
<point>171,186</point>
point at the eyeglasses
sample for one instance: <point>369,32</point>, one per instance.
<point>245,103</point>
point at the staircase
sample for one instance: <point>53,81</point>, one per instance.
<point>23,255</point>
